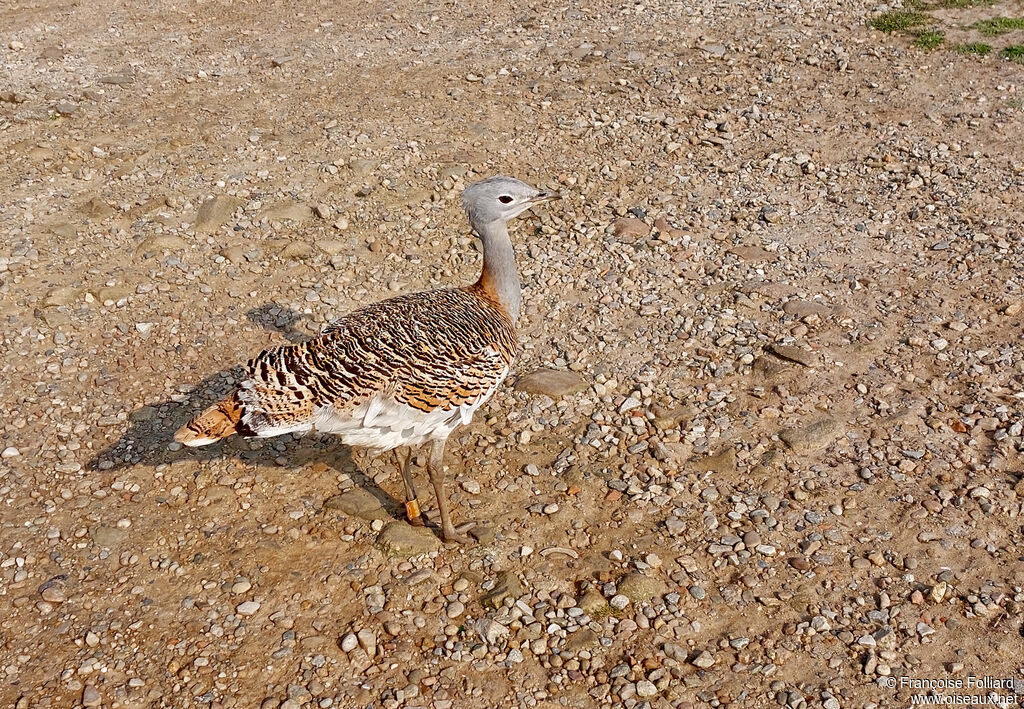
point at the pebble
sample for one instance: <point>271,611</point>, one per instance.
<point>646,688</point>
<point>628,404</point>
<point>247,608</point>
<point>91,696</point>
<point>490,631</point>
<point>215,212</point>
<point>553,383</point>
<point>619,601</point>
<point>358,502</point>
<point>401,539</point>
<point>367,641</point>
<point>812,435</point>
<point>704,660</point>
<point>54,594</point>
<point>629,227</point>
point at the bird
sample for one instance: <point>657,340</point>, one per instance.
<point>398,373</point>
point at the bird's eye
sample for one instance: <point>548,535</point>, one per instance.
<point>504,199</point>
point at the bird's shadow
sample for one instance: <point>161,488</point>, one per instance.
<point>152,426</point>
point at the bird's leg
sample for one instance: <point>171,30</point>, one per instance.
<point>435,468</point>
<point>412,505</point>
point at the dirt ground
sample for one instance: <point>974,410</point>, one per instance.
<point>785,288</point>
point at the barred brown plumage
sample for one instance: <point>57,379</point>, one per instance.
<point>397,373</point>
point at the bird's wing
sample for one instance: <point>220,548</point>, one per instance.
<point>386,373</point>
<point>441,384</point>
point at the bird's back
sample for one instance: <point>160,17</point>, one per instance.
<point>392,373</point>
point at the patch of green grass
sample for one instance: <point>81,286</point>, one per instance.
<point>979,48</point>
<point>898,20</point>
<point>963,4</point>
<point>999,25</point>
<point>1015,53</point>
<point>930,39</point>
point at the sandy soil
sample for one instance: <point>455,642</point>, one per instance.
<point>786,279</point>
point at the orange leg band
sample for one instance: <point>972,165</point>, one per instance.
<point>412,511</point>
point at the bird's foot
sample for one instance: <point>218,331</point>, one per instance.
<point>455,535</point>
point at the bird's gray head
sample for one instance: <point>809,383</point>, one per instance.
<point>500,198</point>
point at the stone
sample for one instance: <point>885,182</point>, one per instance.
<point>794,354</point>
<point>506,585</point>
<point>287,212</point>
<point>91,696</point>
<point>630,227</point>
<point>54,594</point>
<point>482,533</point>
<point>401,539</point>
<point>770,367</point>
<point>215,211</point>
<point>810,436</point>
<point>162,242</point>
<point>645,688</point>
<point>554,383</point>
<point>234,254</point>
<point>367,641</point>
<point>43,153</point>
<point>10,452</point>
<point>349,642</point>
<point>60,296</point>
<point>455,609</point>
<point>96,208</point>
<point>357,502</point>
<point>723,462</point>
<point>247,608</point>
<point>704,660</point>
<point>108,537</point>
<point>640,587</point>
<point>116,80</point>
<point>297,251</point>
<point>629,403</point>
<point>113,294</point>
<point>333,247</point>
<point>666,418</point>
<point>582,639</point>
<point>805,308</point>
<point>752,253</point>
<point>65,108</point>
<point>593,603</point>
<point>490,630</point>
<point>64,230</point>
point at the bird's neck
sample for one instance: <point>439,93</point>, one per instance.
<point>500,280</point>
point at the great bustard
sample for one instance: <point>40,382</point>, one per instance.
<point>398,373</point>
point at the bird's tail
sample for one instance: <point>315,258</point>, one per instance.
<point>221,420</point>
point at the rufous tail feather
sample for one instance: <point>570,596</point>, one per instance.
<point>217,422</point>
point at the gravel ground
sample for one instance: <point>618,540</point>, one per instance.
<point>780,460</point>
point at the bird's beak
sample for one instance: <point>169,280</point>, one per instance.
<point>546,197</point>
